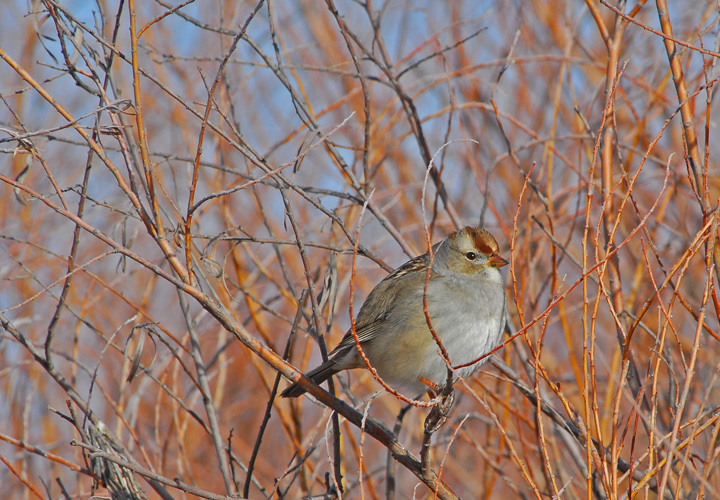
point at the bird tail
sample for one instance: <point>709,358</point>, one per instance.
<point>317,375</point>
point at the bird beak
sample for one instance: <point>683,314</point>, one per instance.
<point>497,261</point>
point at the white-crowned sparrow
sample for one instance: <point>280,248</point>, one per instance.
<point>466,304</point>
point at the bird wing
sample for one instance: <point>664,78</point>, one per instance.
<point>374,312</point>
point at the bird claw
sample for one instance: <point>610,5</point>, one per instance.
<point>439,413</point>
<point>447,402</point>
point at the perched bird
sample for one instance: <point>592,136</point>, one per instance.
<point>466,305</point>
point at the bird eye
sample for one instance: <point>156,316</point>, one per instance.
<point>471,256</point>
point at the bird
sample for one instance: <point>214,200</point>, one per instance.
<point>466,305</point>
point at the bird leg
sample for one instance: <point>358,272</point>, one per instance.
<point>433,388</point>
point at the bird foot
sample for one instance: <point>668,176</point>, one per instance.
<point>439,413</point>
